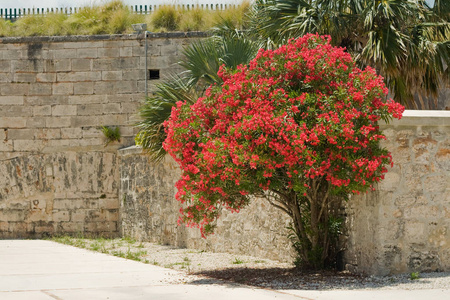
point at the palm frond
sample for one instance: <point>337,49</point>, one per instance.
<point>202,62</point>
<point>204,58</point>
<point>442,9</point>
<point>157,109</point>
<point>237,51</point>
<point>405,40</point>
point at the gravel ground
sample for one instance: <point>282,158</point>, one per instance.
<point>277,275</point>
<point>205,267</point>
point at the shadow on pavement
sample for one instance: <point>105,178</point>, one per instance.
<point>292,278</point>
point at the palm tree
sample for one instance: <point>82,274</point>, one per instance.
<point>406,41</point>
<point>202,60</point>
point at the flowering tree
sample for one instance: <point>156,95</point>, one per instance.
<point>297,126</point>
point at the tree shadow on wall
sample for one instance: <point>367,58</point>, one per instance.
<point>292,278</point>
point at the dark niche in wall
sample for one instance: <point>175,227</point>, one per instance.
<point>153,74</point>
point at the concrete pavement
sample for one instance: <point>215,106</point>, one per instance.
<point>44,270</point>
<point>35,270</point>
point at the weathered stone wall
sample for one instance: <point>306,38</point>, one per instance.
<point>60,192</point>
<point>403,227</point>
<point>149,212</point>
<point>55,94</point>
<point>56,175</point>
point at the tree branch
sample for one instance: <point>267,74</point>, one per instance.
<point>281,205</point>
<point>325,197</point>
<point>299,224</point>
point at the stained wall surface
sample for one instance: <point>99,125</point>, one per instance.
<point>149,212</point>
<point>56,175</point>
<point>405,225</point>
<point>402,227</point>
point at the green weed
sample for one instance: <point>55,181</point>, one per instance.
<point>414,275</point>
<point>111,134</point>
<point>99,245</point>
<point>134,255</point>
<point>183,265</point>
<point>118,253</point>
<point>129,240</point>
<point>237,261</point>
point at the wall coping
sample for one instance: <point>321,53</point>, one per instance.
<point>410,118</point>
<point>427,113</point>
<point>421,118</point>
<point>132,150</point>
<point>101,37</point>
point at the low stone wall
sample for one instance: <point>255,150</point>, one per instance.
<point>402,227</point>
<point>149,212</point>
<point>405,225</point>
<point>41,194</point>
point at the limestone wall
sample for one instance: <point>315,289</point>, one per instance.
<point>56,175</point>
<point>149,212</point>
<point>66,192</point>
<point>403,227</point>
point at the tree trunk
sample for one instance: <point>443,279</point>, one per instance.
<point>312,217</point>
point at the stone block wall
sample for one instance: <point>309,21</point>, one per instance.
<point>405,225</point>
<point>66,192</point>
<point>56,175</point>
<point>149,212</point>
<point>402,227</point>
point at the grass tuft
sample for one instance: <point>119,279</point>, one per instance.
<point>111,134</point>
<point>129,240</point>
<point>195,20</point>
<point>166,17</point>
<point>237,261</point>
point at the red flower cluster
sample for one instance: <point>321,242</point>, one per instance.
<point>300,112</point>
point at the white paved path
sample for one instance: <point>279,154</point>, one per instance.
<point>44,270</point>
<point>35,270</point>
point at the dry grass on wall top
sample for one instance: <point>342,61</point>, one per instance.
<point>116,18</point>
<point>170,18</point>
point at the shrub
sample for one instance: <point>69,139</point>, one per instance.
<point>298,127</point>
<point>5,27</point>
<point>113,17</point>
<point>236,16</point>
